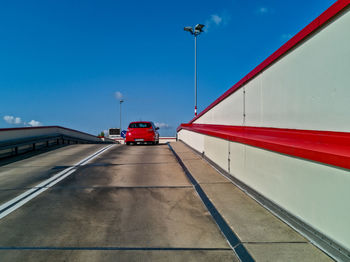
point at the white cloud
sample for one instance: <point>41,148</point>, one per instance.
<point>13,120</point>
<point>118,95</point>
<point>162,125</point>
<point>34,123</point>
<point>9,119</point>
<point>263,10</point>
<point>216,20</point>
<point>18,120</point>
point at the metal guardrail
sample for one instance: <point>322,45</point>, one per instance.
<point>17,141</point>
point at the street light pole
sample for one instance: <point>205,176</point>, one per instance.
<point>195,32</point>
<point>120,103</point>
<point>195,75</point>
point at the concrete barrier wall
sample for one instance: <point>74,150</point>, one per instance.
<point>306,88</point>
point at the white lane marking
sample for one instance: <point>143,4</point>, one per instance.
<point>30,197</point>
<point>23,198</point>
<point>42,184</point>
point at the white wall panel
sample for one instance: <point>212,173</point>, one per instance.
<point>206,118</point>
<point>315,193</point>
<point>308,88</point>
<point>253,102</point>
<point>216,149</point>
<point>237,160</point>
<point>193,139</point>
<point>228,112</point>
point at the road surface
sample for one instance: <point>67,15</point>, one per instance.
<point>130,203</point>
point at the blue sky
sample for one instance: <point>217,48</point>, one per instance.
<point>63,61</point>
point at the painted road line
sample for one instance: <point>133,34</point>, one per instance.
<point>23,198</point>
<point>233,240</point>
<point>44,183</point>
<point>31,196</point>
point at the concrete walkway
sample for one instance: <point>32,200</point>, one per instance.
<point>266,237</point>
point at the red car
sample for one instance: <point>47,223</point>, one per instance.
<point>142,132</point>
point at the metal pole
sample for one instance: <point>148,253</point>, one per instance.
<point>195,74</point>
<point>120,125</point>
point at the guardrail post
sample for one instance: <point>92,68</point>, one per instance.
<point>33,146</point>
<point>16,150</point>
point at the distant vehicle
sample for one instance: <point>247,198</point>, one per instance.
<point>142,132</point>
<point>114,133</point>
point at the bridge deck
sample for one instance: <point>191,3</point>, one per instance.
<point>133,204</point>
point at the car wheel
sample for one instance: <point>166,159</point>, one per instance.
<point>127,143</point>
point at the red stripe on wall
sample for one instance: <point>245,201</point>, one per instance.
<point>326,147</point>
<point>310,29</point>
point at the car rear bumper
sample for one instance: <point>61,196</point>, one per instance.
<point>141,140</point>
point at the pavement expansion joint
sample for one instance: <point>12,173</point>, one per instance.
<point>29,166</point>
<point>16,188</point>
<point>214,183</point>
<point>276,242</point>
<point>114,187</point>
<point>116,248</point>
<point>128,164</point>
<point>148,154</point>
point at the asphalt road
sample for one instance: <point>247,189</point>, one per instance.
<point>131,203</point>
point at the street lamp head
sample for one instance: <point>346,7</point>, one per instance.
<point>121,101</point>
<point>189,29</point>
<point>198,28</point>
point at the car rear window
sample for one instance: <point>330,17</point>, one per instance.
<point>140,125</point>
